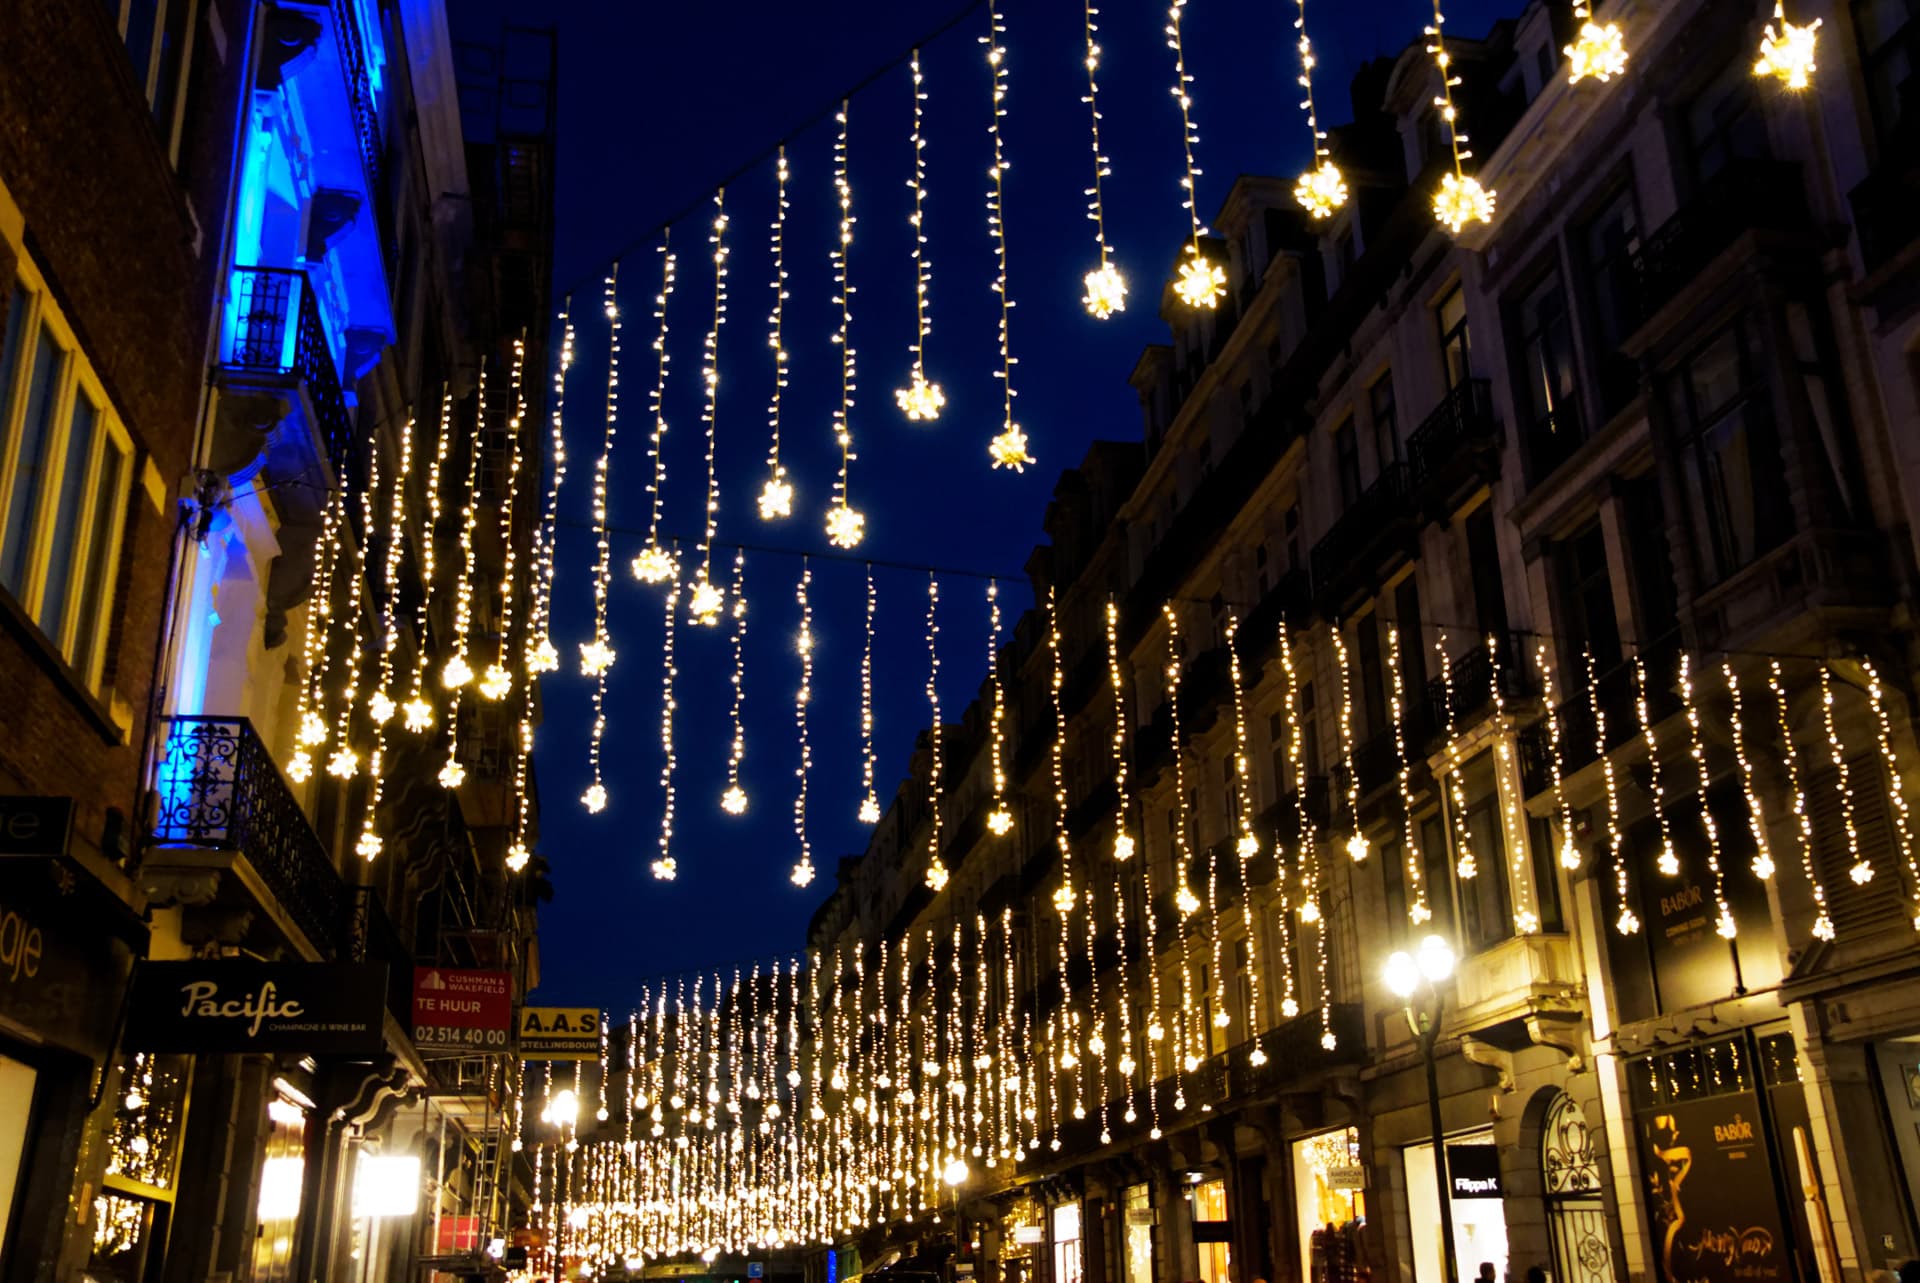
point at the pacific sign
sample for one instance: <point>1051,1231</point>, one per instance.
<point>227,1005</point>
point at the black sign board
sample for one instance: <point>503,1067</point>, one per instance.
<point>1473,1171</point>
<point>35,825</point>
<point>66,942</point>
<point>1711,1192</point>
<point>235,1005</point>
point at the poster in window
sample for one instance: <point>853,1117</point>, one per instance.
<point>1710,1193</point>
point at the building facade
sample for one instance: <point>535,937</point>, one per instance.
<point>1545,589</point>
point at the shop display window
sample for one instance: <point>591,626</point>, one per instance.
<point>1331,1202</point>
<point>1212,1232</point>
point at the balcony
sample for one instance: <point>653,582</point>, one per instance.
<point>272,341</point>
<point>1456,450</point>
<point>228,822</point>
<point>1374,532</point>
<point>1286,604</point>
<point>1613,691</point>
<point>1746,196</point>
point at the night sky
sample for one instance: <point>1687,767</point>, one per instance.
<point>657,104</point>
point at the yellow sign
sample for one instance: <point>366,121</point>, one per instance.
<point>559,1033</point>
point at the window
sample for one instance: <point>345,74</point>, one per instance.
<point>1346,457</point>
<point>1730,453</point>
<point>1263,568</point>
<point>1373,695</point>
<point>1309,733</point>
<point>157,34</point>
<point>1452,314</point>
<point>1656,597</point>
<point>1290,526</point>
<point>1889,36</point>
<point>66,465</point>
<point>1587,595</point>
<point>1386,422</point>
<point>1724,122</point>
<point>1137,1234</point>
<point>1437,872</point>
<point>1413,649</point>
<point>1486,917</point>
<point>1067,1264</point>
<point>1489,589</point>
<point>1393,860</point>
<point>1212,1232</point>
<point>1550,385</point>
<point>1609,243</point>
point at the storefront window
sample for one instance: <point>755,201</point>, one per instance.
<point>1136,1232</point>
<point>143,1153</point>
<point>281,1176</point>
<point>1067,1262</point>
<point>1328,1183</point>
<point>16,1107</point>
<point>1479,1209</point>
<point>1212,1232</point>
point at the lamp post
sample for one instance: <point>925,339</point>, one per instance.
<point>1406,974</point>
<point>955,1175</point>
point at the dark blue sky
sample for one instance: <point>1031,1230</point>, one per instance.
<point>657,103</point>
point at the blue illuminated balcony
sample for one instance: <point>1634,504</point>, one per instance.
<point>272,340</point>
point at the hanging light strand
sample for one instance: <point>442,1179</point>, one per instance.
<point>542,656</point>
<point>1201,283</point>
<point>417,713</point>
<point>1064,895</point>
<point>999,819</point>
<point>706,600</point>
<point>1323,188</point>
<point>1461,199</point>
<point>1465,866</point>
<point>497,681</point>
<point>1861,869</point>
<point>1509,789</point>
<point>1896,794</point>
<point>734,800</point>
<point>845,525</point>
<point>1628,923</point>
<point>1803,819</point>
<point>936,867</point>
<point>380,706</point>
<point>803,866</point>
<point>920,400</point>
<point>1723,923</point>
<point>1419,912</point>
<point>776,495</point>
<point>597,656</point>
<point>1756,815</point>
<point>1669,859</point>
<point>1189,1036</point>
<point>1106,288</point>
<point>1247,845</point>
<point>1009,449</point>
<point>666,867</point>
<point>655,564</point>
<point>869,800</point>
<point>458,673</point>
<point>1569,852</point>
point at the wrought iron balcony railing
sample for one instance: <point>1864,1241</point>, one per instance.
<point>1748,194</point>
<point>220,790</point>
<point>353,65</point>
<point>1456,438</point>
<point>272,328</point>
<point>1382,509</point>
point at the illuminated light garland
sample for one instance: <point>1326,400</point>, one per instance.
<point>1786,50</point>
<point>1803,821</point>
<point>846,526</point>
<point>497,681</point>
<point>655,564</point>
<point>312,726</point>
<point>1123,843</point>
<point>1306,852</point>
<point>1723,924</point>
<point>1902,816</point>
<point>803,870</point>
<point>542,656</point>
<point>1669,859</point>
<point>1756,815</point>
<point>1064,895</point>
<point>1247,845</point>
<point>1009,449</point>
<point>936,867</point>
<point>999,819</point>
<point>869,800</point>
<point>1322,189</point>
<point>1419,912</point>
<point>706,601</point>
<point>344,763</point>
<point>1628,923</point>
<point>597,656</point>
<point>417,712</point>
<point>518,854</point>
<point>1186,1060</point>
<point>1861,870</point>
<point>920,400</point>
<point>776,496</point>
<point>1201,283</point>
<point>734,800</point>
<point>666,867</point>
<point>1599,50</point>
<point>1467,867</point>
<point>457,672</point>
<point>1356,840</point>
<point>1569,853</point>
<point>1525,920</point>
<point>380,706</point>
<point>1106,287</point>
<point>1460,200</point>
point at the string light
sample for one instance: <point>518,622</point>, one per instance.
<point>312,724</point>
<point>869,800</point>
<point>380,706</point>
<point>1628,923</point>
<point>846,526</point>
<point>655,564</point>
<point>1861,870</point>
<point>1419,911</point>
<point>706,600</point>
<point>1525,920</point>
<point>597,656</point>
<point>1569,853</point>
<point>1756,816</point>
<point>1322,189</point>
<point>1466,867</point>
<point>1106,288</point>
<point>1724,925</point>
<point>666,867</point>
<point>1460,200</point>
<point>1902,817</point>
<point>497,681</point>
<point>936,867</point>
<point>1123,845</point>
<point>920,400</point>
<point>1247,845</point>
<point>1307,852</point>
<point>1599,50</point>
<point>542,655</point>
<point>1186,1042</point>
<point>1009,449</point>
<point>1669,860</point>
<point>1356,840</point>
<point>776,496</point>
<point>803,867</point>
<point>734,800</point>
<point>344,762</point>
<point>1201,283</point>
<point>457,673</point>
<point>1786,50</point>
<point>518,855</point>
<point>1790,758</point>
<point>1064,895</point>
<point>417,712</point>
<point>999,819</point>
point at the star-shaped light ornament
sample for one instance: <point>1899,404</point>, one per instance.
<point>1106,291</point>
<point>1786,51</point>
<point>1063,897</point>
<point>1628,923</point>
<point>1256,1057</point>
<point>869,809</point>
<point>1468,868</point>
<point>734,800</point>
<point>1321,190</point>
<point>1186,901</point>
<point>776,500</point>
<point>381,708</point>
<point>300,769</point>
<point>1201,282</point>
<point>1763,865</point>
<point>1462,200</point>
<point>666,870</point>
<point>1669,861</point>
<point>1329,1041</point>
<point>596,657</point>
<point>1123,847</point>
<point>1527,921</point>
<point>1861,873</point>
<point>543,656</point>
<point>495,682</point>
<point>1009,449</point>
<point>653,565</point>
<point>343,763</point>
<point>368,846</point>
<point>1310,911</point>
<point>452,775</point>
<point>1724,926</point>
<point>313,729</point>
<point>1599,51</point>
<point>1000,821</point>
<point>517,857</point>
<point>595,798</point>
<point>802,874</point>
<point>920,400</point>
<point>846,527</point>
<point>1289,1007</point>
<point>937,875</point>
<point>417,714</point>
<point>1357,848</point>
<point>703,605</point>
<point>1569,853</point>
<point>1419,914</point>
<point>1247,847</point>
<point>457,673</point>
<point>1823,928</point>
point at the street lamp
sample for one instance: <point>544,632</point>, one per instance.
<point>1406,974</point>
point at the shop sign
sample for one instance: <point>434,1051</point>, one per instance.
<point>1473,1171</point>
<point>35,825</point>
<point>462,1007</point>
<point>1349,1177</point>
<point>1029,1234</point>
<point>1141,1216</point>
<point>234,1005</point>
<point>61,963</point>
<point>1711,1192</point>
<point>560,1033</point>
<point>457,1234</point>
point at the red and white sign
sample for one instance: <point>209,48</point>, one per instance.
<point>462,1007</point>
